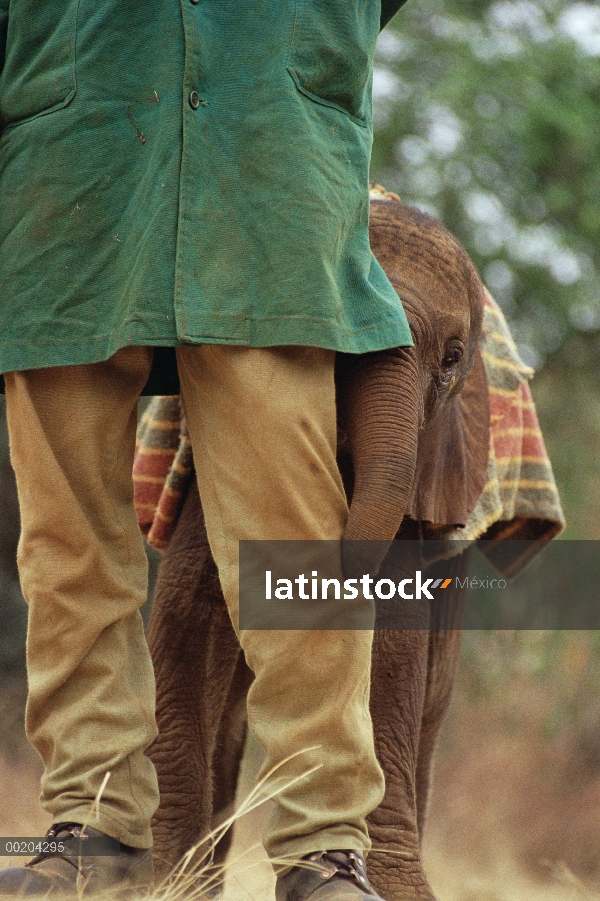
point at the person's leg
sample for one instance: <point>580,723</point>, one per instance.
<point>83,572</point>
<point>263,429</point>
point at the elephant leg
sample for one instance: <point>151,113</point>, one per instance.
<point>229,750</point>
<point>398,687</point>
<point>195,654</point>
<point>442,666</point>
<point>445,646</point>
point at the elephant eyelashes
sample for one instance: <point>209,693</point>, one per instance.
<point>453,355</point>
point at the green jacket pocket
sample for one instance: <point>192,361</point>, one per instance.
<point>331,53</point>
<point>38,75</point>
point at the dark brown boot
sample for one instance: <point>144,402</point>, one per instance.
<point>327,876</point>
<point>58,876</point>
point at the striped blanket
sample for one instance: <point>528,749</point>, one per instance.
<point>520,499</point>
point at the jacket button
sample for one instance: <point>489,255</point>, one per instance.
<point>194,2</point>
<point>194,99</point>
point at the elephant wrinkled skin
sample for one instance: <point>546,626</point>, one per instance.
<point>413,450</point>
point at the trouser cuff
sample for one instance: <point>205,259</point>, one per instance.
<point>288,854</point>
<point>108,825</point>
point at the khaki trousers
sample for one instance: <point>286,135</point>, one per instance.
<point>262,426</point>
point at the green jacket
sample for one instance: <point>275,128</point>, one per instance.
<point>178,172</point>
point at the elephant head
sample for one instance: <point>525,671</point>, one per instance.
<point>415,421</point>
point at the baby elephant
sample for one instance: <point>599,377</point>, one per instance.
<point>414,431</point>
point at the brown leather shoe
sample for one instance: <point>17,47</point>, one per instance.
<point>56,877</point>
<point>328,876</point>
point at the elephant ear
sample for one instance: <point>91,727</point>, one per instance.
<point>452,455</point>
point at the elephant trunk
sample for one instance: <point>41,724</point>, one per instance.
<point>380,411</point>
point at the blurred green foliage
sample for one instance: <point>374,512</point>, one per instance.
<point>488,115</point>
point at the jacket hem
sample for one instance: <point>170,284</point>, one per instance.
<point>264,332</point>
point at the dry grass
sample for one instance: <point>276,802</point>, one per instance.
<point>249,875</point>
<point>453,878</point>
<point>196,874</point>
<point>515,812</point>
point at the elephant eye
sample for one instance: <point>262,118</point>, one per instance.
<point>453,355</point>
